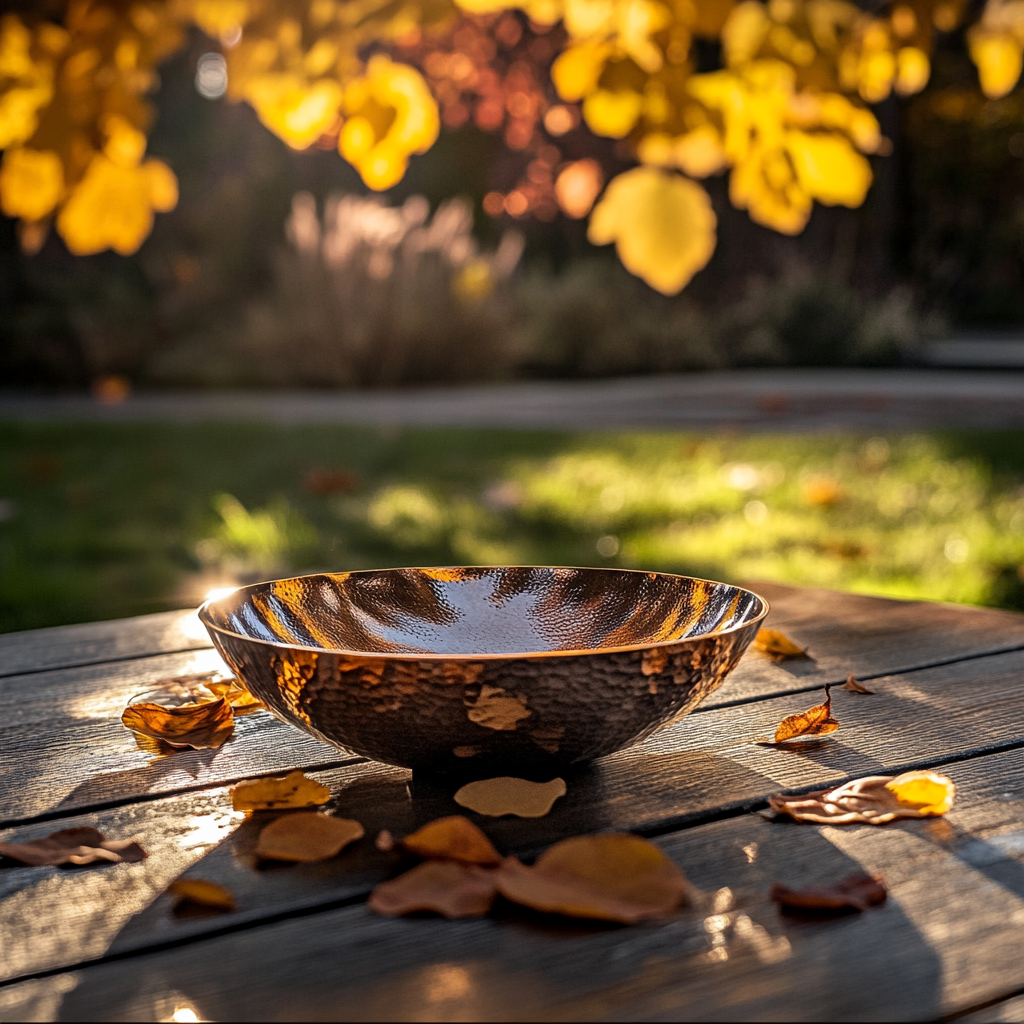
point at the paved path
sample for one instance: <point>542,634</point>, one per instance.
<point>784,400</point>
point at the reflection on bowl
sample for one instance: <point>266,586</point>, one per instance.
<point>476,670</point>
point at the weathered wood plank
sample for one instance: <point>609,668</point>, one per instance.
<point>948,938</point>
<point>650,789</point>
<point>36,650</point>
<point>64,749</point>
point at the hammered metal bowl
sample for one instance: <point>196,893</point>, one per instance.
<point>484,670</point>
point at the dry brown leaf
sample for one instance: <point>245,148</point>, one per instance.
<point>197,892</point>
<point>307,836</point>
<point>855,893</point>
<point>777,645</point>
<point>79,846</point>
<point>853,686</point>
<point>277,794</point>
<point>442,886</point>
<point>814,721</point>
<point>235,693</point>
<point>192,725</point>
<point>610,878</point>
<point>507,795</point>
<point>453,838</point>
<point>873,800</point>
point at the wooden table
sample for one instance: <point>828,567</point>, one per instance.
<point>103,944</point>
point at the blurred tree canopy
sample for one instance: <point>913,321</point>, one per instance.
<point>777,95</point>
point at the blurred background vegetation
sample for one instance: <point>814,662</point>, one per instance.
<point>101,521</point>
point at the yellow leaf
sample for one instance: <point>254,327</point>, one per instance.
<point>829,168</point>
<point>778,645</point>
<point>577,69</point>
<point>926,792</point>
<point>31,183</point>
<point>163,185</point>
<point>197,892</point>
<point>294,111</point>
<point>662,225</point>
<point>612,113</point>
<point>913,70</point>
<point>293,790</point>
<point>307,836</point>
<point>744,31</point>
<point>201,726</point>
<point>506,795</point>
<point>816,721</point>
<point>452,838</point>
<point>998,56</point>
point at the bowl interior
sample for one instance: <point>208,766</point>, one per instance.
<point>497,610</point>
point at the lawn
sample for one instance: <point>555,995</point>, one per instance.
<point>101,521</point>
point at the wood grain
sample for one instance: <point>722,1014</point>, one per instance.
<point>63,747</point>
<point>92,643</point>
<point>948,938</point>
<point>651,789</point>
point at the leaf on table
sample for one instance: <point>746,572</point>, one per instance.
<point>307,836</point>
<point>453,838</point>
<point>445,887</point>
<point>617,877</point>
<point>853,686</point>
<point>873,800</point>
<point>777,645</point>
<point>507,795</point>
<point>190,893</point>
<point>235,693</point>
<point>79,846</point>
<point>277,794</point>
<point>854,893</point>
<point>200,726</point>
<point>814,721</point>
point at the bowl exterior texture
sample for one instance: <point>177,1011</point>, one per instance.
<point>480,712</point>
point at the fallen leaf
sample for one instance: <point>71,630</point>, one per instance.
<point>777,645</point>
<point>855,893</point>
<point>307,836</point>
<point>853,686</point>
<point>192,725</point>
<point>506,795</point>
<point>293,790</point>
<point>235,693</point>
<point>873,800</point>
<point>442,886</point>
<point>197,892</point>
<point>453,838</point>
<point>814,721</point>
<point>616,877</point>
<point>79,846</point>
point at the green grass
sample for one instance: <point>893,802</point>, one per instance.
<point>105,521</point>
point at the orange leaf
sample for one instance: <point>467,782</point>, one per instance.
<point>610,878</point>
<point>443,886</point>
<point>506,795</point>
<point>853,686</point>
<point>307,836</point>
<point>855,893</point>
<point>235,693</point>
<point>81,845</point>
<point>873,800</point>
<point>191,725</point>
<point>278,794</point>
<point>197,892</point>
<point>777,645</point>
<point>454,838</point>
<point>814,721</point>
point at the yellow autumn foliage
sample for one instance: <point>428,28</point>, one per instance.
<point>662,225</point>
<point>31,183</point>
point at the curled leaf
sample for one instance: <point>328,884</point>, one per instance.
<point>507,795</point>
<point>307,836</point>
<point>277,794</point>
<point>453,838</point>
<point>873,800</point>
<point>235,693</point>
<point>777,645</point>
<point>442,886</point>
<point>79,846</point>
<point>616,877</point>
<point>189,893</point>
<point>855,893</point>
<point>200,726</point>
<point>814,721</point>
<point>853,686</point>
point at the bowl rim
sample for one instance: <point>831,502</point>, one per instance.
<point>211,627</point>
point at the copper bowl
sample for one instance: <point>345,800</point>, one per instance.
<point>501,669</point>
